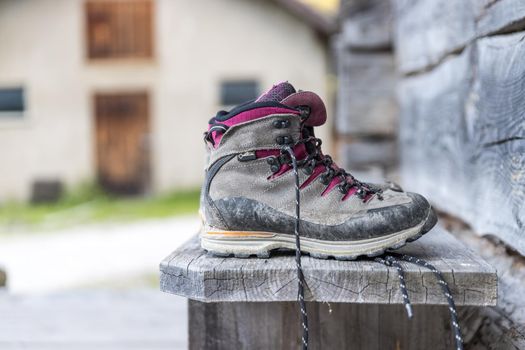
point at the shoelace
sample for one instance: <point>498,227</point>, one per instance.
<point>388,260</point>
<point>300,276</point>
<point>458,339</point>
<point>315,157</point>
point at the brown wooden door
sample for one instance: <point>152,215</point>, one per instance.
<point>122,142</point>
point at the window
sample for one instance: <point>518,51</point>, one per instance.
<point>11,100</point>
<point>236,92</point>
<point>119,28</point>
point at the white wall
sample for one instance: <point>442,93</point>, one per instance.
<point>198,44</point>
<point>40,49</point>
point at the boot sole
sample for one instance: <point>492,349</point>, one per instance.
<point>244,244</point>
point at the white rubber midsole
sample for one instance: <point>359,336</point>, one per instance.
<point>251,242</point>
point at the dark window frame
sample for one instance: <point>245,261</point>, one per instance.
<point>236,91</point>
<point>12,101</point>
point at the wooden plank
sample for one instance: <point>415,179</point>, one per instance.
<point>432,134</point>
<point>366,101</point>
<point>463,136</point>
<point>499,16</point>
<point>426,31</point>
<point>367,27</point>
<point>192,273</point>
<point>497,126</point>
<point>332,326</point>
<point>502,326</point>
<point>363,153</point>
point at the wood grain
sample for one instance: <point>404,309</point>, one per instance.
<point>427,31</point>
<point>332,326</point>
<point>463,136</point>
<point>192,273</point>
<point>501,16</point>
<point>433,139</point>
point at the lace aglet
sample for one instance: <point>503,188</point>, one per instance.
<point>410,314</point>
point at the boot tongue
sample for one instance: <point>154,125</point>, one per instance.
<point>317,115</point>
<point>286,94</point>
<point>277,93</point>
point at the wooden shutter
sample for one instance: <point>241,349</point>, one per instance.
<point>119,28</point>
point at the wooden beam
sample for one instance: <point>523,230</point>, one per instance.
<point>191,272</point>
<point>332,326</point>
<point>366,102</point>
<point>366,26</point>
<point>427,31</point>
<point>463,136</point>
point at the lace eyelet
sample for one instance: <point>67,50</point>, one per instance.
<point>281,124</point>
<point>324,180</point>
<point>274,163</point>
<point>284,140</point>
<point>272,160</point>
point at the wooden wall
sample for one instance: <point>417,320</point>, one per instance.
<point>462,103</point>
<point>366,113</point>
<point>446,80</point>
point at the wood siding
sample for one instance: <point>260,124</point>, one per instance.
<point>367,112</point>
<point>462,111</point>
<point>221,326</point>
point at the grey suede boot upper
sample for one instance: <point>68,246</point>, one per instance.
<point>249,185</point>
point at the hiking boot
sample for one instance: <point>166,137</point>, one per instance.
<point>267,181</point>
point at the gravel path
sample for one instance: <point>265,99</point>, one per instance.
<point>94,320</point>
<point>61,288</point>
<point>48,262</point>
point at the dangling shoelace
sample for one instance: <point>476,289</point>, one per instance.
<point>300,275</point>
<point>388,260</point>
<point>458,339</point>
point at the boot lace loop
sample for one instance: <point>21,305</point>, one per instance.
<point>388,260</point>
<point>316,157</point>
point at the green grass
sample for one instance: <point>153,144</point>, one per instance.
<point>88,204</point>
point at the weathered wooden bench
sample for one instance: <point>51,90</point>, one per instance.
<point>250,303</point>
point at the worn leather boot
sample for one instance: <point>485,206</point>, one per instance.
<point>268,183</point>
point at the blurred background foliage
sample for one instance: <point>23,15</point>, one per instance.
<point>88,204</point>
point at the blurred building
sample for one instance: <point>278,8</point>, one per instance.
<point>121,90</point>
